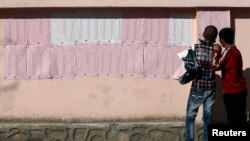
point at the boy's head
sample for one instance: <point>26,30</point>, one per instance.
<point>226,36</point>
<point>210,33</point>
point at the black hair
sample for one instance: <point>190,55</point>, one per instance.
<point>227,34</point>
<point>211,33</point>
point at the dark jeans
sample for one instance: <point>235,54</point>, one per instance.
<point>235,106</point>
<point>197,97</point>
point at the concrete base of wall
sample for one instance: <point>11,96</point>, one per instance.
<point>139,131</point>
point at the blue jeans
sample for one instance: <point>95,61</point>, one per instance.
<point>196,98</point>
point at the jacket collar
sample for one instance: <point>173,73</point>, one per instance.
<point>205,42</point>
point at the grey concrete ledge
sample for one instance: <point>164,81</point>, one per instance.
<point>117,131</point>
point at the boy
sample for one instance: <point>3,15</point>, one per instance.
<point>234,84</point>
<point>203,87</point>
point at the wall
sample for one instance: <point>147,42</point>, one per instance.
<point>240,19</point>
<point>123,3</point>
<point>108,97</point>
<point>90,97</point>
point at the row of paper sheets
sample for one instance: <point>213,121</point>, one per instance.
<point>67,61</point>
<point>130,57</point>
<point>109,27</point>
<point>99,27</point>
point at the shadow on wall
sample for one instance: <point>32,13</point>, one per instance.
<point>220,115</point>
<point>247,76</point>
<point>10,87</point>
<point>13,85</point>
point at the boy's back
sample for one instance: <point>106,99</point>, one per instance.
<point>232,76</point>
<point>204,55</point>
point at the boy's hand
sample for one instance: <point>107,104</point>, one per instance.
<point>217,47</point>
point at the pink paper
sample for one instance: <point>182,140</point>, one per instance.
<point>174,62</point>
<point>155,64</point>
<point>15,62</point>
<point>39,30</point>
<point>132,60</point>
<point>62,61</point>
<point>38,62</point>
<point>220,19</point>
<point>108,60</point>
<point>133,26</point>
<point>178,68</point>
<point>15,30</point>
<point>86,60</point>
<point>157,27</point>
<point>179,71</point>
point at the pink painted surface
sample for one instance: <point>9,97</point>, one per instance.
<point>38,62</point>
<point>62,61</point>
<point>132,60</point>
<point>15,29</point>
<point>94,98</point>
<point>86,61</point>
<point>39,29</point>
<point>15,62</point>
<point>220,19</point>
<point>99,97</point>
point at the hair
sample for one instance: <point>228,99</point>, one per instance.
<point>210,33</point>
<point>227,34</point>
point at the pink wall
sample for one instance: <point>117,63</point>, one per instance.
<point>100,97</point>
<point>93,98</point>
<point>124,3</point>
<point>241,23</point>
<point>90,97</point>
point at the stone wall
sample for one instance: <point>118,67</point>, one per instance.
<point>169,131</point>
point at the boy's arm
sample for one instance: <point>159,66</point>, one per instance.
<point>217,61</point>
